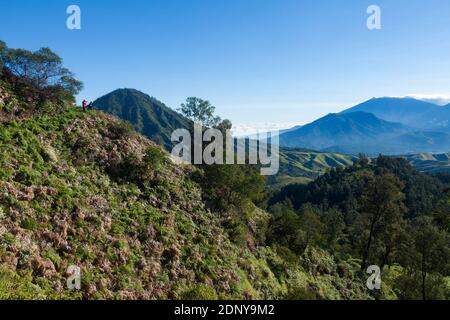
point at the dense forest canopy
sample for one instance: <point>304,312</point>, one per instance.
<point>382,211</point>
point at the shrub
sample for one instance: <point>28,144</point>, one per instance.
<point>27,175</point>
<point>120,130</point>
<point>29,224</point>
<point>8,238</point>
<point>299,293</point>
<point>154,157</point>
<point>199,292</point>
<point>53,256</point>
<point>17,287</point>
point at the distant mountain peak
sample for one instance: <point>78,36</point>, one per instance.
<point>408,111</point>
<point>379,125</point>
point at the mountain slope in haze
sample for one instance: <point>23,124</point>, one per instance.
<point>147,115</point>
<point>341,130</point>
<point>363,132</point>
<point>408,111</point>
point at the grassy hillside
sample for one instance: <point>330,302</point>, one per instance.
<point>85,189</point>
<point>302,166</point>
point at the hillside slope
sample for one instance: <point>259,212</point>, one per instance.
<point>83,189</point>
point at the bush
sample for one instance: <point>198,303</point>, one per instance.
<point>231,185</point>
<point>17,287</point>
<point>299,293</point>
<point>154,157</point>
<point>29,224</point>
<point>238,234</point>
<point>27,176</point>
<point>199,292</point>
<point>120,130</point>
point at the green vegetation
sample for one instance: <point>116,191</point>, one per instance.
<point>303,166</point>
<point>381,213</point>
<point>84,189</point>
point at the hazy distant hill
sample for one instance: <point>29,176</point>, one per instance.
<point>408,111</point>
<point>366,129</point>
<point>335,130</point>
<point>148,115</point>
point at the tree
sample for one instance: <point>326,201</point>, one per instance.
<point>440,214</point>
<point>200,111</point>
<point>392,236</point>
<point>43,69</point>
<point>231,185</point>
<point>3,51</point>
<point>284,228</point>
<point>380,205</point>
<point>432,250</point>
<point>224,125</point>
<point>334,224</point>
<point>311,226</point>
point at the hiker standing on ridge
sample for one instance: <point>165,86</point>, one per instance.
<point>84,105</point>
<point>91,106</point>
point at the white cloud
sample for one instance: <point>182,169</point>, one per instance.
<point>249,129</point>
<point>439,99</point>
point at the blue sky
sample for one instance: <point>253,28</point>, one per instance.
<point>257,61</point>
